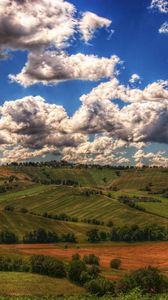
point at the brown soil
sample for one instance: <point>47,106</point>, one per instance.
<point>132,256</point>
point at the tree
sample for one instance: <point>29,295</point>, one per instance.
<point>47,265</point>
<point>149,280</point>
<point>115,263</point>
<point>100,287</point>
<point>76,268</point>
<point>93,235</point>
<point>91,259</point>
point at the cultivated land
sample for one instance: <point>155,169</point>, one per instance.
<point>83,193</point>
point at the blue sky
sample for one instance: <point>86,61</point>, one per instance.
<point>133,36</point>
<point>136,41</point>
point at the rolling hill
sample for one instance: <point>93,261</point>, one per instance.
<point>85,193</point>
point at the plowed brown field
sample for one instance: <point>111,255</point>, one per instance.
<point>132,256</point>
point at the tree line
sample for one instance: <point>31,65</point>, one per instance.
<point>36,237</point>
<point>132,233</point>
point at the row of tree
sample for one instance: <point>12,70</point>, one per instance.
<point>132,233</point>
<point>36,237</point>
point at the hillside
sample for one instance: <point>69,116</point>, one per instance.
<point>83,193</point>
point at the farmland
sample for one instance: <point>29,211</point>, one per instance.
<point>34,196</point>
<point>107,184</point>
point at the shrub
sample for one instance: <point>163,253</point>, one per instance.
<point>47,265</point>
<point>9,208</point>
<point>115,263</point>
<point>85,277</point>
<point>100,287</point>
<point>76,268</point>
<point>13,264</point>
<point>148,280</point>
<point>76,256</point>
<point>91,259</point>
<point>94,271</point>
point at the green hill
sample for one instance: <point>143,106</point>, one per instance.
<point>85,193</point>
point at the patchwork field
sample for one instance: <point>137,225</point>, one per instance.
<point>28,193</point>
<point>31,188</point>
<point>133,256</point>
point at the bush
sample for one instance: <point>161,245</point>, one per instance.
<point>76,268</point>
<point>91,259</point>
<point>148,280</point>
<point>76,256</point>
<point>47,265</point>
<point>100,287</point>
<point>115,263</point>
<point>13,264</point>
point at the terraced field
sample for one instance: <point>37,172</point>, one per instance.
<point>40,198</point>
<point>22,223</point>
<point>69,200</point>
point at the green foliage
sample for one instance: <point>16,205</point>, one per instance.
<point>93,235</point>
<point>115,263</point>
<point>47,265</point>
<point>8,237</point>
<point>134,233</point>
<point>13,264</point>
<point>100,287</point>
<point>76,268</point>
<point>91,259</point>
<point>148,280</point>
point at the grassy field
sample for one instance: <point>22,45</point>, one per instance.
<point>39,198</point>
<point>25,188</point>
<point>17,284</point>
<point>22,223</point>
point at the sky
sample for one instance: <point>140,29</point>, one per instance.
<point>85,81</point>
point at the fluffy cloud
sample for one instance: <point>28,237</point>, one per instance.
<point>30,24</point>
<point>153,159</point>
<point>33,124</point>
<point>30,127</point>
<point>164,28</point>
<point>53,67</point>
<point>102,150</point>
<point>20,153</point>
<point>135,78</point>
<point>89,24</point>
<point>137,122</point>
<point>161,5</point>
<point>156,91</point>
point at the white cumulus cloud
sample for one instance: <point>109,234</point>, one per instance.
<point>89,23</point>
<point>53,67</point>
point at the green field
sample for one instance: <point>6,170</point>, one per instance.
<point>28,191</point>
<point>84,193</point>
<point>18,284</point>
